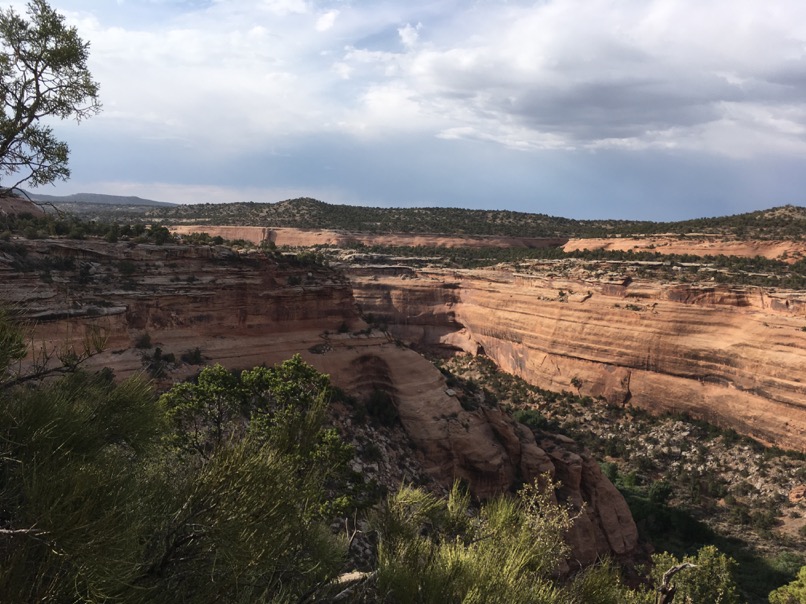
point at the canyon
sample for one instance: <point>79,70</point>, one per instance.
<point>147,301</point>
<point>730,355</point>
<point>695,245</point>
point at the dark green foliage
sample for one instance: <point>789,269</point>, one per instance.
<point>785,222</point>
<point>71,459</point>
<point>710,579</point>
<point>284,405</point>
<point>143,341</point>
<point>101,500</point>
<point>12,344</point>
<point>71,227</point>
<point>193,357</point>
<point>158,363</point>
<point>531,418</point>
<point>159,234</point>
<point>793,593</point>
<point>660,491</point>
<point>127,268</point>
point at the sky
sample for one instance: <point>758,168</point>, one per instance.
<point>640,109</point>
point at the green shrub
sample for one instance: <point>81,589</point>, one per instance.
<point>143,341</point>
<point>192,357</point>
<point>430,550</point>
<point>531,417</point>
<point>710,579</point>
<point>793,593</point>
<point>660,491</point>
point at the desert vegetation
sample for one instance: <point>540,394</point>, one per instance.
<point>688,483</point>
<point>681,268</point>
<point>785,222</point>
<point>263,484</point>
<point>227,486</point>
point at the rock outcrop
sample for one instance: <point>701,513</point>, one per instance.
<point>242,311</point>
<point>696,245</point>
<point>731,355</point>
<point>293,237</point>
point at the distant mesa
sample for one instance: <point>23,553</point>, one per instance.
<point>98,198</point>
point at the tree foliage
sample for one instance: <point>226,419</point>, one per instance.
<point>43,73</point>
<point>98,502</point>
<point>793,593</point>
<point>223,490</point>
<point>508,551</point>
<point>709,579</point>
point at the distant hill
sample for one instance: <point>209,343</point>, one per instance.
<point>96,198</point>
<point>785,222</point>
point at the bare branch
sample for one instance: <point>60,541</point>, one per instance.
<point>667,590</point>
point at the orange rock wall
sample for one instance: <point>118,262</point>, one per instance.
<point>310,237</point>
<point>697,246</point>
<point>736,357</point>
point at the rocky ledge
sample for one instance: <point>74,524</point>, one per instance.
<point>731,355</point>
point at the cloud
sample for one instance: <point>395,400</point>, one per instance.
<point>213,84</point>
<point>623,74</point>
<point>409,34</point>
<point>581,74</point>
<point>326,20</point>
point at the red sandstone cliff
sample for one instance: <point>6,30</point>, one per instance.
<point>243,311</point>
<point>309,237</point>
<point>734,356</point>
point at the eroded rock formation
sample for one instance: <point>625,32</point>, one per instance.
<point>696,245</point>
<point>293,237</point>
<point>734,356</point>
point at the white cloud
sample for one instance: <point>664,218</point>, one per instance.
<point>409,34</point>
<point>726,76</point>
<point>282,7</point>
<point>625,74</point>
<point>326,20</point>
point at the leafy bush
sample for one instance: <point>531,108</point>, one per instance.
<point>709,579</point>
<point>530,417</point>
<point>430,550</point>
<point>793,593</point>
<point>104,498</point>
<point>193,357</point>
<point>143,341</point>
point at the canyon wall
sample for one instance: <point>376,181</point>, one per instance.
<point>733,356</point>
<point>243,311</point>
<point>694,245</point>
<point>293,237</point>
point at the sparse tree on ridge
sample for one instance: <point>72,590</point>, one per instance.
<point>43,73</point>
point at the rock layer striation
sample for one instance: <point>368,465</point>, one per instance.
<point>731,355</point>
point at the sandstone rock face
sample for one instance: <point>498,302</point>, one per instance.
<point>19,205</point>
<point>244,311</point>
<point>310,237</point>
<point>240,311</point>
<point>734,356</point>
<point>697,246</point>
<point>489,451</point>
